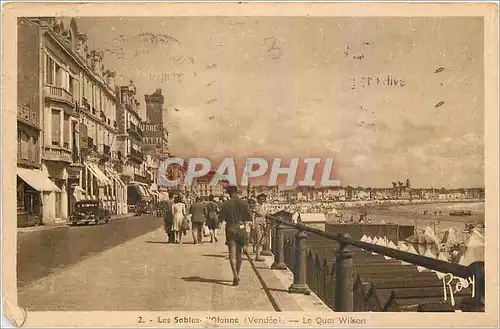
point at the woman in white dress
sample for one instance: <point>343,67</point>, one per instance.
<point>178,212</point>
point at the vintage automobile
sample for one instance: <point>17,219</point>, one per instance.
<point>89,211</point>
<point>142,208</point>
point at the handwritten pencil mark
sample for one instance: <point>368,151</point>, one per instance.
<point>273,49</point>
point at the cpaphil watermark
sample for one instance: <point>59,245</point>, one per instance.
<point>314,171</point>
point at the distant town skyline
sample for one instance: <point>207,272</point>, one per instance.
<point>386,97</point>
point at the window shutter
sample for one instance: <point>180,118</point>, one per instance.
<point>56,127</point>
<point>66,131</point>
<point>24,147</point>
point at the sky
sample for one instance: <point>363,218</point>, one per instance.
<point>387,98</point>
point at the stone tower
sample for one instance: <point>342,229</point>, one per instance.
<point>154,107</point>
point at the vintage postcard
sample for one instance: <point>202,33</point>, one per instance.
<point>250,164</point>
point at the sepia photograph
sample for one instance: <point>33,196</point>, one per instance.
<point>282,165</point>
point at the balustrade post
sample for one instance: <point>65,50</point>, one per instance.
<point>279,248</point>
<point>299,285</point>
<point>476,303</point>
<point>266,249</point>
<point>344,281</point>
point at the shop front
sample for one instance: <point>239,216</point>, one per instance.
<point>33,186</point>
<point>98,185</point>
<point>119,193</point>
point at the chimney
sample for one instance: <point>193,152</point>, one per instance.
<point>110,78</point>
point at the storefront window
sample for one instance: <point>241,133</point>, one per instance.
<point>20,198</point>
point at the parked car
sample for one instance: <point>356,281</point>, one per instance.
<point>89,211</point>
<point>142,208</point>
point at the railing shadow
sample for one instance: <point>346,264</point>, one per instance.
<point>206,280</point>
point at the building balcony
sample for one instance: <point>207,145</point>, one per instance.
<point>33,163</point>
<point>85,105</point>
<point>57,154</point>
<point>135,130</point>
<point>127,171</point>
<point>59,94</point>
<point>27,117</point>
<point>136,155</point>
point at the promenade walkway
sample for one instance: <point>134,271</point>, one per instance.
<point>148,274</point>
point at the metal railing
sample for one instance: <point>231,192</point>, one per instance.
<point>343,284</point>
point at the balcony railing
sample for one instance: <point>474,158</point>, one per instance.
<point>128,171</point>
<point>338,285</point>
<point>85,105</point>
<point>59,94</point>
<point>57,153</point>
<point>25,115</point>
<point>137,155</point>
<point>133,129</point>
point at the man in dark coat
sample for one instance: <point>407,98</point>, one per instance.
<point>168,218</point>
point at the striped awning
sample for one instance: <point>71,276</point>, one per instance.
<point>98,174</point>
<point>37,179</point>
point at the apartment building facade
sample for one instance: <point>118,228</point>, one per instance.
<point>65,86</point>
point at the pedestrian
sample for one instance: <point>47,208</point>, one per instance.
<point>235,213</point>
<point>252,236</point>
<point>212,215</point>
<point>260,226</point>
<point>178,217</point>
<point>168,220</point>
<point>197,211</point>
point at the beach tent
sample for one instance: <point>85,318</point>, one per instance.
<point>410,250</point>
<point>364,238</point>
<point>428,253</point>
<point>403,247</point>
<point>473,251</point>
<point>422,242</point>
<point>442,257</point>
<point>430,232</point>
<point>375,241</point>
<point>450,237</point>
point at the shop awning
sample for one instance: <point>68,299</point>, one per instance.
<point>101,177</point>
<point>37,179</point>
<point>116,177</point>
<point>141,190</point>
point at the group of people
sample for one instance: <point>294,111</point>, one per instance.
<point>177,222</point>
<point>244,221</point>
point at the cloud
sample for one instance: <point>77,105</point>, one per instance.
<point>303,103</point>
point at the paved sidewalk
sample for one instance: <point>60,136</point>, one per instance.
<point>51,226</point>
<point>148,274</point>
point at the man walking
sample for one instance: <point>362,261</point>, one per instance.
<point>197,211</point>
<point>168,218</point>
<point>235,213</point>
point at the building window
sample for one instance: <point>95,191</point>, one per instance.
<point>71,85</point>
<point>66,132</point>
<point>34,145</point>
<point>49,67</point>
<point>59,76</point>
<point>24,146</point>
<point>56,127</point>
<point>18,144</point>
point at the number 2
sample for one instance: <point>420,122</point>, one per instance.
<point>273,48</point>
<point>140,320</point>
